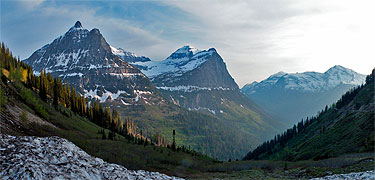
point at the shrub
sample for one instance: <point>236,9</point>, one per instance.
<point>31,100</point>
<point>23,117</point>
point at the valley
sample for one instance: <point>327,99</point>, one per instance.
<point>289,97</point>
<point>81,108</point>
<point>155,97</point>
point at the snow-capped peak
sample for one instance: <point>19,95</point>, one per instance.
<point>76,32</point>
<point>338,68</point>
<point>121,52</point>
<point>312,81</point>
<point>185,51</point>
<point>77,26</point>
<point>344,75</point>
<point>182,60</point>
<point>279,74</point>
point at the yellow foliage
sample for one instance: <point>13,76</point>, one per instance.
<point>5,72</point>
<point>23,75</point>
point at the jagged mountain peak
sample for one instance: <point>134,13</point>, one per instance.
<point>77,27</point>
<point>86,60</point>
<point>95,31</point>
<point>78,47</point>
<point>184,52</point>
<point>187,66</point>
<point>187,52</point>
<point>187,48</point>
<point>179,62</point>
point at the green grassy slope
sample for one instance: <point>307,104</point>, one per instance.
<point>85,135</point>
<point>26,114</point>
<point>339,130</point>
<point>203,132</point>
<point>237,125</point>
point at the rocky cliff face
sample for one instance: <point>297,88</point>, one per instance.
<point>84,59</point>
<point>205,69</point>
<point>190,72</point>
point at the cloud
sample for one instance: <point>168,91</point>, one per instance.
<point>47,22</point>
<point>259,38</point>
<point>118,32</point>
<point>30,4</point>
<point>255,38</point>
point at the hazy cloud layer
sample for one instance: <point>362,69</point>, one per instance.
<point>255,38</point>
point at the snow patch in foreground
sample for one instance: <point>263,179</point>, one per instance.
<point>350,176</point>
<point>29,157</point>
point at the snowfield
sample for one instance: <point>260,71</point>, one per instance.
<point>29,157</point>
<point>181,61</point>
<point>350,176</point>
<point>309,81</point>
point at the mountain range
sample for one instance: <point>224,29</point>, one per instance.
<point>345,127</point>
<point>191,91</point>
<point>292,96</point>
<point>189,99</point>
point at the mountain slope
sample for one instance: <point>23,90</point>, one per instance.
<point>190,66</point>
<point>290,97</point>
<point>84,59</point>
<point>198,80</point>
<point>24,112</point>
<point>346,127</point>
<point>103,75</point>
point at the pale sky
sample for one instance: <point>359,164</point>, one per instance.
<point>256,38</point>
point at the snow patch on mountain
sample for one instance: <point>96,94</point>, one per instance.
<point>71,74</point>
<point>182,60</point>
<point>125,75</point>
<point>29,157</point>
<point>191,88</point>
<point>184,51</point>
<point>204,108</point>
<point>309,81</point>
<point>120,52</point>
<point>105,95</point>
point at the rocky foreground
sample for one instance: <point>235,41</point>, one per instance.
<point>28,157</point>
<point>350,176</point>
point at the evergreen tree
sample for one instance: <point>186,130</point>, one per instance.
<point>174,141</point>
<point>56,90</point>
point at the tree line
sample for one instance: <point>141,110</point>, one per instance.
<point>60,94</point>
<point>281,140</point>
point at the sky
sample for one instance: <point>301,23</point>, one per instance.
<point>256,38</point>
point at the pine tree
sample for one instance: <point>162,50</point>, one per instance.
<point>42,86</point>
<point>55,101</point>
<point>174,141</point>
